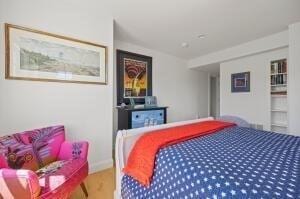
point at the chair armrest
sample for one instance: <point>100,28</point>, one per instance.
<point>19,184</point>
<point>73,150</point>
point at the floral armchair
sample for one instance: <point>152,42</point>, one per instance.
<point>41,164</point>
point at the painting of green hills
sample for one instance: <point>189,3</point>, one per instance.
<point>44,56</point>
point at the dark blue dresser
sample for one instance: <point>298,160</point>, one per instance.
<point>129,118</point>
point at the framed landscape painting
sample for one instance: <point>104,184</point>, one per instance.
<point>134,77</point>
<point>41,56</point>
<point>240,82</point>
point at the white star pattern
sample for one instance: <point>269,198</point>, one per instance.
<point>233,163</point>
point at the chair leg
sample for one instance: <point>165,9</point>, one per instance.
<point>82,185</point>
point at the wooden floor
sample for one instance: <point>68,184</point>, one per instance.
<point>99,185</point>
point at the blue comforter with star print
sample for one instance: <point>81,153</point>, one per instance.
<point>233,163</point>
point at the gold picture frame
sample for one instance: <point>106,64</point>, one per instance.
<point>41,56</point>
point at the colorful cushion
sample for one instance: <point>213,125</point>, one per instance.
<point>73,150</point>
<point>46,142</point>
<point>59,178</point>
<point>17,155</point>
<point>31,149</point>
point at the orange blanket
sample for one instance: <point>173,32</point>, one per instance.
<point>140,164</point>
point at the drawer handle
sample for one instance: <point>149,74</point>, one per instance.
<point>137,116</point>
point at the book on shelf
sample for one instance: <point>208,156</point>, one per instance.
<point>285,79</point>
<point>278,67</point>
<point>284,69</point>
<point>274,67</point>
<point>279,93</point>
<point>273,80</point>
<point>280,79</point>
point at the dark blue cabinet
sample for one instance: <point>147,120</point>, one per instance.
<point>129,118</point>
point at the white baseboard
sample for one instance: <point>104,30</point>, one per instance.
<point>99,166</point>
<point>116,195</point>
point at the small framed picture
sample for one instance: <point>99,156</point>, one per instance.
<point>150,101</point>
<point>240,82</point>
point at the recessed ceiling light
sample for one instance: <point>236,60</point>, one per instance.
<point>184,45</point>
<point>202,36</point>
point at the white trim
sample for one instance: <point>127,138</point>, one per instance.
<point>283,125</point>
<point>99,166</point>
<point>279,110</point>
<point>274,96</point>
<point>116,195</point>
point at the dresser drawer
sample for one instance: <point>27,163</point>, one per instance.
<point>147,118</point>
<point>129,117</point>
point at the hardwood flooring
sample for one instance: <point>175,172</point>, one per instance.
<point>100,185</point>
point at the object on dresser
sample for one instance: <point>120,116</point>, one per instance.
<point>132,103</point>
<point>150,101</point>
<point>129,117</point>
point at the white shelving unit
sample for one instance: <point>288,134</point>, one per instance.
<point>279,108</point>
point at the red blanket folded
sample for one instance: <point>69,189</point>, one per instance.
<point>140,164</point>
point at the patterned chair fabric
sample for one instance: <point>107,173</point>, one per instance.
<point>41,164</point>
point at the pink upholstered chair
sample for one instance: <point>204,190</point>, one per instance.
<point>41,164</point>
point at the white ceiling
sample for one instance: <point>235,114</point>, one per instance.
<point>164,24</point>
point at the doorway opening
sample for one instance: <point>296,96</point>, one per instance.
<point>214,96</point>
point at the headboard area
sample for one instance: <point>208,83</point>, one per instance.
<point>126,139</point>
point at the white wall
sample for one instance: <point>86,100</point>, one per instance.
<point>293,81</point>
<point>255,105</point>
<point>85,110</point>
<point>184,91</point>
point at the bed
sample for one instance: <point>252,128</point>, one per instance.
<point>235,162</point>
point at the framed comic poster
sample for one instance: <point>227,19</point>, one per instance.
<point>240,82</point>
<point>134,77</point>
<point>41,56</point>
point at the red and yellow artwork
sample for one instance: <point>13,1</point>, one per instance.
<point>135,78</point>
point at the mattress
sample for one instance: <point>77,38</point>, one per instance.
<point>235,162</point>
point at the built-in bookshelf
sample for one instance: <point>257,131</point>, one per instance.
<point>279,77</point>
<point>279,94</point>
